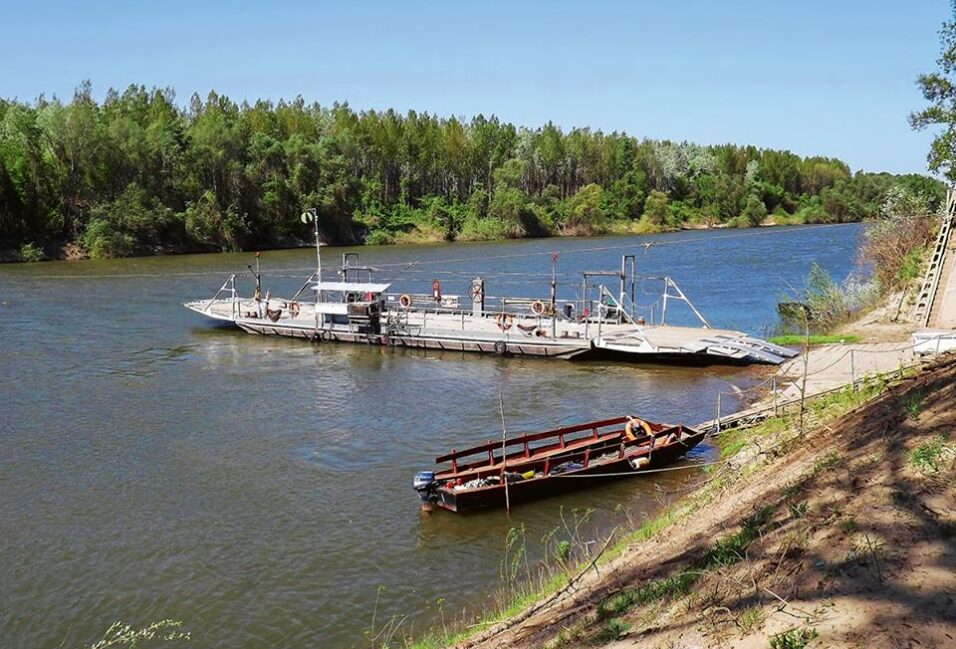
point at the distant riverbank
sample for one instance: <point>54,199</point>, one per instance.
<point>71,251</point>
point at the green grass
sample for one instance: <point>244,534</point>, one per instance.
<point>928,456</point>
<point>726,551</point>
<point>912,403</point>
<point>793,639</point>
<point>826,463</point>
<point>612,630</point>
<point>751,619</point>
<point>653,591</point>
<point>815,339</point>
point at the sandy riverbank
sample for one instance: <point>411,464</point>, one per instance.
<point>840,539</point>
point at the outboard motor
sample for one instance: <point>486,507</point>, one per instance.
<point>424,483</point>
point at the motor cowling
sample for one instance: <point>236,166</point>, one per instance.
<point>424,483</point>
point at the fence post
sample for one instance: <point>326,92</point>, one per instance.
<point>774,388</point>
<point>717,432</point>
<point>852,372</point>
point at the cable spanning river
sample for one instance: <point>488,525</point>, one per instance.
<point>153,465</point>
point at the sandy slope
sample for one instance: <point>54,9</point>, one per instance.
<point>856,544</point>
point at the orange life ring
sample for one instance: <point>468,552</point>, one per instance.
<point>537,307</point>
<point>405,300</point>
<point>293,309</point>
<point>505,321</point>
<point>629,428</point>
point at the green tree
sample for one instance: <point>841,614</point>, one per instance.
<point>655,208</point>
<point>754,211</point>
<point>585,211</point>
<point>939,89</point>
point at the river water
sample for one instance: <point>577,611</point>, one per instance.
<point>153,465</point>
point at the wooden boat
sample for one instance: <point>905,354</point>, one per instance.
<point>551,462</point>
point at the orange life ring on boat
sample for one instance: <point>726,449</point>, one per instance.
<point>505,321</point>
<point>405,300</point>
<point>629,428</point>
<point>537,307</point>
<point>293,309</point>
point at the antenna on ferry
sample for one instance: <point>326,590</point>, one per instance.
<point>311,214</point>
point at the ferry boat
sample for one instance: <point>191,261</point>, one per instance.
<point>355,309</point>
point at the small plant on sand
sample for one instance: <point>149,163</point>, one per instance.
<point>912,403</point>
<point>797,510</point>
<point>750,620</point>
<point>612,630</point>
<point>928,456</point>
<point>793,639</point>
<point>849,525</point>
<point>730,549</point>
<point>828,461</point>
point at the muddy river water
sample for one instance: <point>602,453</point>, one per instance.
<point>153,465</point>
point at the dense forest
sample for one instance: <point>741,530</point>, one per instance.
<point>138,173</point>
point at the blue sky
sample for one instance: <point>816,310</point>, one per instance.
<point>829,78</point>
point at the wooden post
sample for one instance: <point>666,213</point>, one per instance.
<point>852,372</point>
<point>773,386</point>
<point>504,451</point>
<point>717,425</point>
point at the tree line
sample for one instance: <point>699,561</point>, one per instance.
<point>138,173</point>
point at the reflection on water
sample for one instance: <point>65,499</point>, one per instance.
<point>154,465</point>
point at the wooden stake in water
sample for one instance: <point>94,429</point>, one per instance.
<point>504,451</point>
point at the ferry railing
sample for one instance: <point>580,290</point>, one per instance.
<point>669,283</point>
<point>228,286</point>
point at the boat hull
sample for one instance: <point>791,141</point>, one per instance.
<point>525,491</point>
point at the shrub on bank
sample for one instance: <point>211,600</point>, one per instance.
<point>31,252</point>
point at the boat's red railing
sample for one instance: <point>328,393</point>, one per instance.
<point>581,449</point>
<point>525,440</point>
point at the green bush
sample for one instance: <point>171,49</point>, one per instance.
<point>754,210</point>
<point>119,227</point>
<point>478,229</point>
<point>31,252</point>
<point>206,222</point>
<point>585,211</point>
<point>910,266</point>
<point>379,238</point>
<point>103,240</point>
